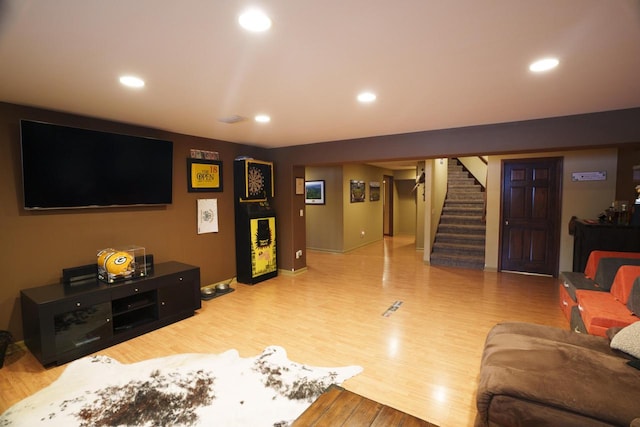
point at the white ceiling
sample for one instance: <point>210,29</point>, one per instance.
<point>434,64</point>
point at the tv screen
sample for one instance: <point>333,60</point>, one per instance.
<point>65,167</point>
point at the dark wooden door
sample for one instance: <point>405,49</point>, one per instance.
<point>530,217</point>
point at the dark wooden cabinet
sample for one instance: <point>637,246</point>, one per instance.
<point>63,322</point>
<point>173,299</point>
<point>589,237</point>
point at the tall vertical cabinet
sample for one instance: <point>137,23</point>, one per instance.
<point>255,221</point>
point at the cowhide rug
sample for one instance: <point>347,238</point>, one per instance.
<point>180,390</point>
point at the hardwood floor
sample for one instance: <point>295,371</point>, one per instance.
<point>340,407</point>
<point>422,359</point>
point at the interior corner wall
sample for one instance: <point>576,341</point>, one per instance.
<point>363,223</point>
<point>324,223</point>
<point>584,199</point>
<point>439,184</point>
<point>405,206</point>
<point>402,209</point>
<point>429,232</point>
<point>288,205</point>
<point>421,197</point>
<point>339,225</point>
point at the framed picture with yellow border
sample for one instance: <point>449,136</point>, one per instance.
<point>204,175</point>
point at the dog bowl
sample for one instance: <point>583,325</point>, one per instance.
<point>220,287</point>
<point>207,291</point>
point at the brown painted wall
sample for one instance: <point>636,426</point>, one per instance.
<point>290,225</point>
<point>628,157</point>
<point>35,246</point>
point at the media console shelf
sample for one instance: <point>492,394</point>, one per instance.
<point>63,322</point>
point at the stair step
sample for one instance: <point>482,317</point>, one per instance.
<point>463,210</point>
<point>464,188</point>
<point>458,249</point>
<point>478,229</point>
<point>465,239</point>
<point>461,219</point>
<point>464,203</point>
<point>462,179</point>
<point>476,197</point>
<point>470,262</point>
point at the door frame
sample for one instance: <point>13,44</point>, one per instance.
<point>557,214</point>
<point>387,205</point>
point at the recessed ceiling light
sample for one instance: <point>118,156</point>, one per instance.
<point>262,118</point>
<point>132,81</point>
<point>367,97</point>
<point>545,64</point>
<point>254,20</point>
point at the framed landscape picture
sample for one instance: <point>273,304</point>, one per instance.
<point>314,192</point>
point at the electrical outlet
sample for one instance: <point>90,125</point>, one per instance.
<point>361,234</point>
<point>299,254</point>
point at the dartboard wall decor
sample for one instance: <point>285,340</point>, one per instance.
<point>255,182</point>
<point>258,180</point>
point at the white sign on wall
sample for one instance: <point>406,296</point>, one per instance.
<point>207,216</point>
<point>589,176</point>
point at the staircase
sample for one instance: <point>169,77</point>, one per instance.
<point>460,236</point>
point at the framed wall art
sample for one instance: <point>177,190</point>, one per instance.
<point>374,191</point>
<point>204,175</point>
<point>358,191</point>
<point>207,216</point>
<point>254,179</point>
<point>299,186</point>
<point>314,192</point>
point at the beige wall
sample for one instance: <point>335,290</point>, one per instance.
<point>583,199</point>
<point>476,167</point>
<point>438,169</point>
<point>421,203</point>
<point>363,220</point>
<point>324,224</point>
<point>557,134</point>
<point>340,225</point>
<point>404,207</point>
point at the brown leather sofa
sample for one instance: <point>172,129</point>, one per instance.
<point>534,375</point>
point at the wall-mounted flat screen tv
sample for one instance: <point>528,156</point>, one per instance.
<point>65,167</point>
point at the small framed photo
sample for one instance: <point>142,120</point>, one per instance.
<point>204,175</point>
<point>299,186</point>
<point>314,192</point>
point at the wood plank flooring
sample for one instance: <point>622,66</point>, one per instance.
<point>422,359</point>
<point>339,407</point>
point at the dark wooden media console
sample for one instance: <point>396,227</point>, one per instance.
<point>63,322</point>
